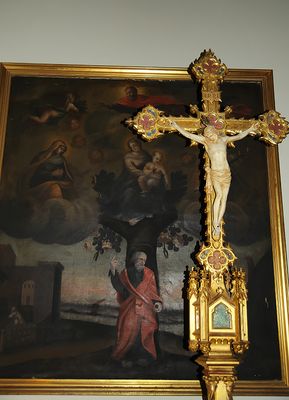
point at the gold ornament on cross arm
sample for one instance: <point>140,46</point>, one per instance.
<point>151,123</point>
<point>217,291</point>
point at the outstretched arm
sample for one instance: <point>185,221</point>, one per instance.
<point>192,136</point>
<point>115,279</point>
<point>241,135</point>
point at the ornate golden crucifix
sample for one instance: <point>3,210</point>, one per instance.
<point>217,291</point>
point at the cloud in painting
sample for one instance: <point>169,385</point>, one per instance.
<point>55,221</point>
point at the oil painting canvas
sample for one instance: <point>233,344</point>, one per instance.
<point>82,199</point>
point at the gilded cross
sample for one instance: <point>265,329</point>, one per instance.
<point>213,282</point>
<point>215,130</point>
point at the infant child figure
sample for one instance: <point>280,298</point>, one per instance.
<point>152,174</point>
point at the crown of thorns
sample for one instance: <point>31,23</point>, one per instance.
<point>214,120</point>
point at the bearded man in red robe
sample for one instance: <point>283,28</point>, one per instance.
<point>139,302</point>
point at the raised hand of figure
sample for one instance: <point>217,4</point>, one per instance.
<point>254,127</point>
<point>114,264</point>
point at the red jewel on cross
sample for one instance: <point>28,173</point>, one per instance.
<point>217,259</point>
<point>276,127</point>
<point>146,122</point>
<point>210,66</point>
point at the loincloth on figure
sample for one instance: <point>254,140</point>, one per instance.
<point>222,177</point>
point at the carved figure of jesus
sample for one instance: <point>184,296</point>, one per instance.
<point>218,177</point>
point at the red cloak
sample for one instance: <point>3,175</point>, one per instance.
<point>137,315</point>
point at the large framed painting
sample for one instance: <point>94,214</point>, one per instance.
<point>73,209</point>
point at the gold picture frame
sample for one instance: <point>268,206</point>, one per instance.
<point>144,79</point>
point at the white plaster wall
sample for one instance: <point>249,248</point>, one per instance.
<point>244,34</point>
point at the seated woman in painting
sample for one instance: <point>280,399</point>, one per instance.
<point>140,189</point>
<point>48,175</point>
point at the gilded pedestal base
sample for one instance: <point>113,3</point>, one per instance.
<point>219,374</point>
